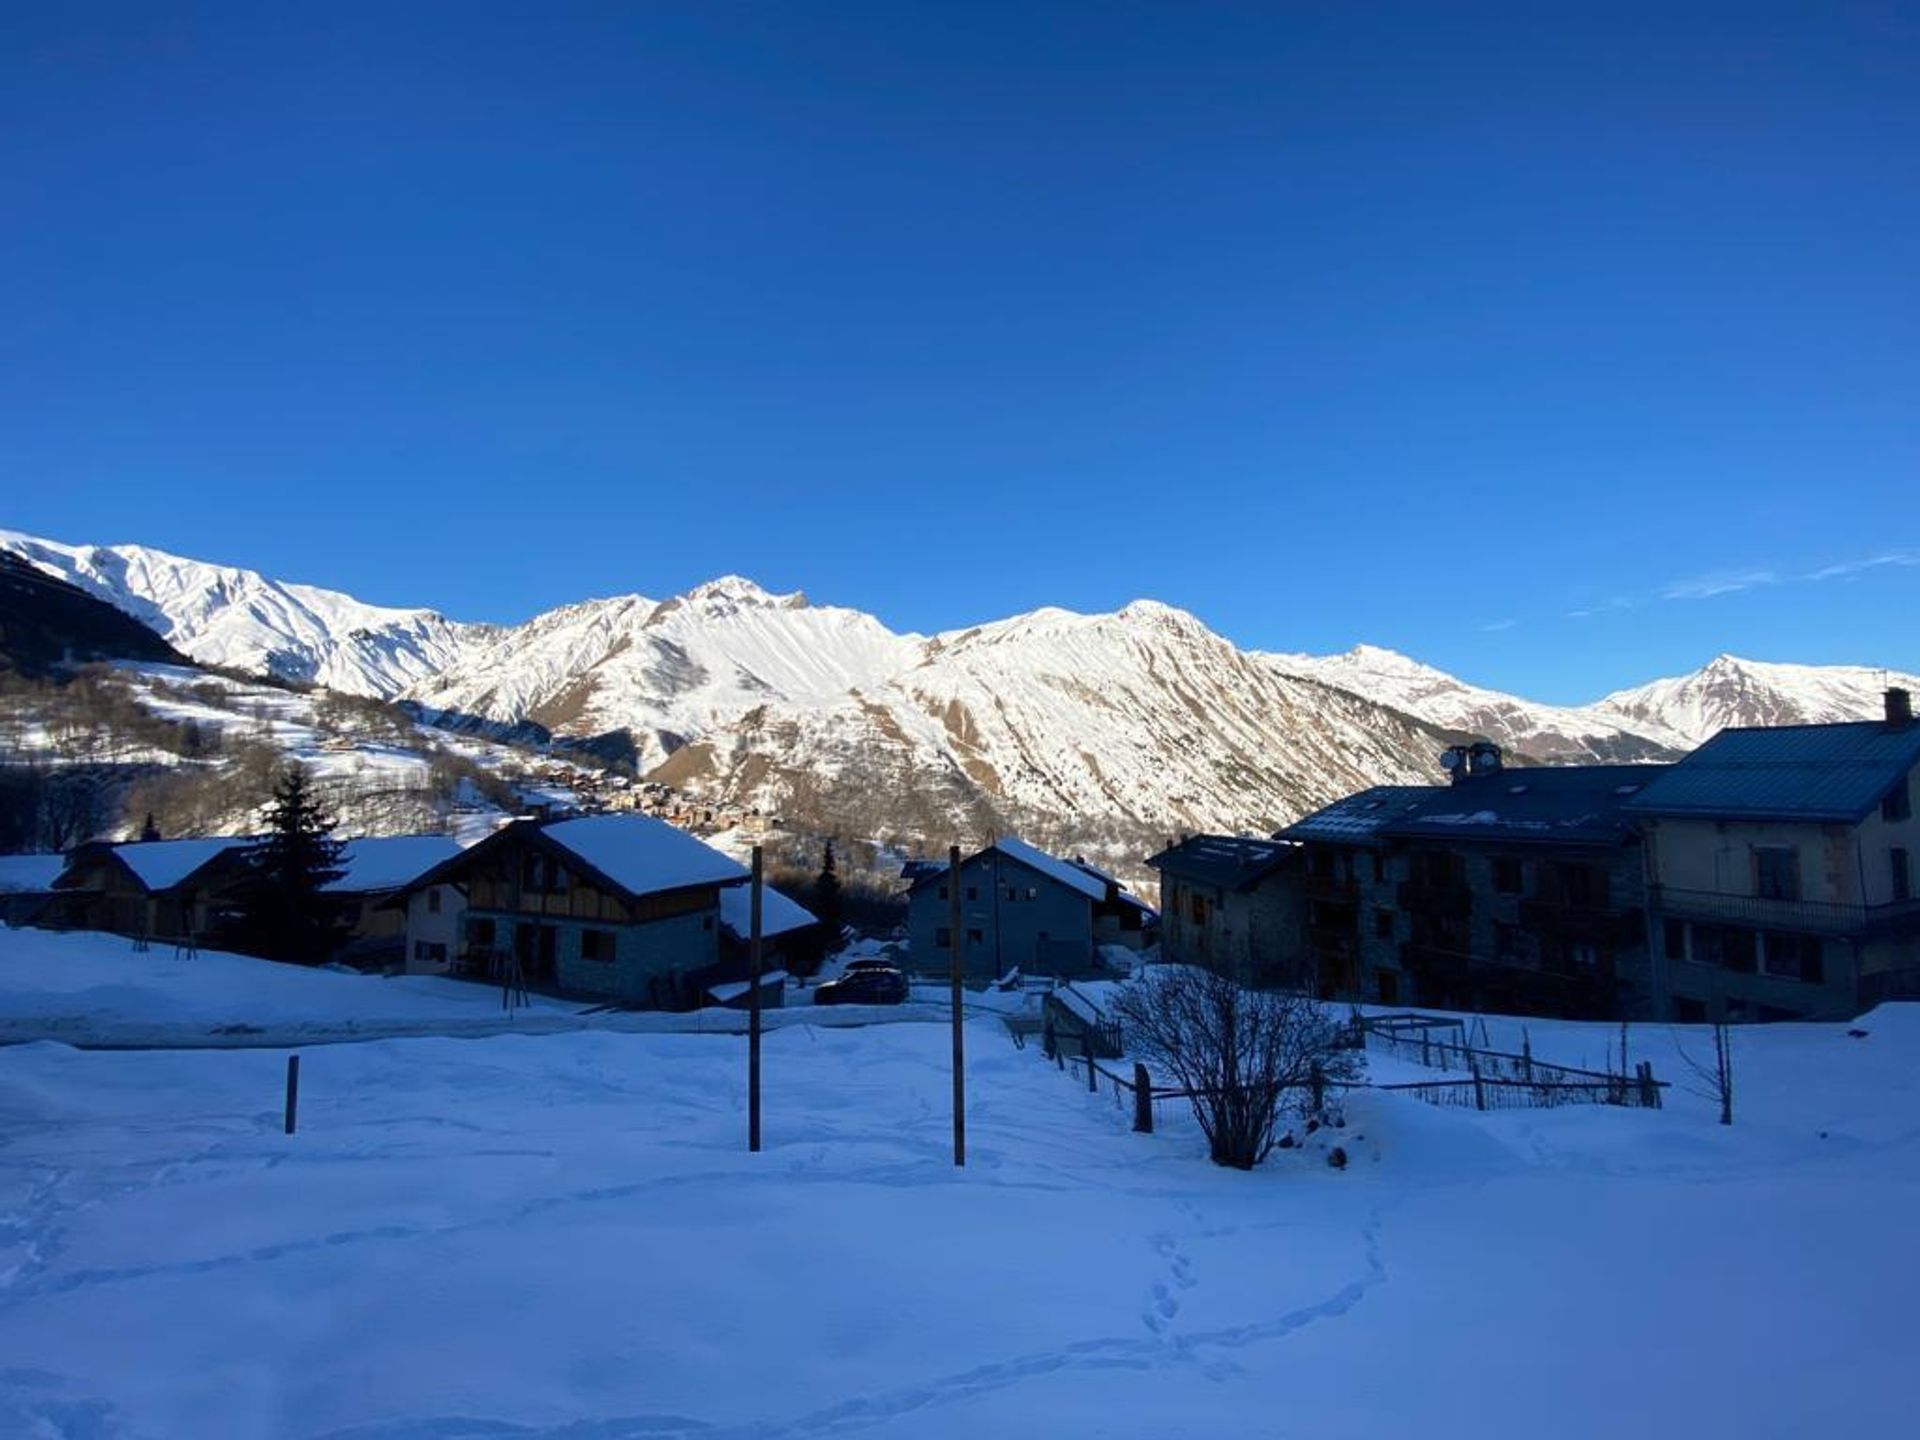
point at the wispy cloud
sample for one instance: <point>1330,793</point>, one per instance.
<point>1870,562</point>
<point>1495,626</point>
<point>1603,607</point>
<point>1721,582</point>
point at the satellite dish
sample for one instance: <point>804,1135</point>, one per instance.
<point>1451,759</point>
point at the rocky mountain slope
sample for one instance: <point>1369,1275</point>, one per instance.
<point>1121,727</point>
<point>1731,691</point>
<point>46,622</point>
<point>1549,733</point>
<point>222,615</point>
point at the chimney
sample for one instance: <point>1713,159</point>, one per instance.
<point>1899,708</point>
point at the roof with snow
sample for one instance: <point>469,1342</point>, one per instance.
<point>1356,820</point>
<point>162,864</point>
<point>642,855</point>
<point>391,862</point>
<point>778,914</point>
<point>1061,872</point>
<point>1232,862</point>
<point>1829,773</point>
<point>1536,805</point>
<point>29,874</point>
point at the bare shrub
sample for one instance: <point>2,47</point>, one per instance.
<point>1239,1054</point>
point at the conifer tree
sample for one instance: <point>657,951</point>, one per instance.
<point>825,901</point>
<point>286,912</point>
<point>149,831</point>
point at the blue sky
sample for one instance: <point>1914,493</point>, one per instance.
<point>1558,345</point>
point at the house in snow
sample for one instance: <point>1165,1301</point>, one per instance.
<point>1515,890</point>
<point>622,906</point>
<point>26,886</point>
<point>1020,909</point>
<point>1782,870</point>
<point>1226,905</point>
<point>786,927</point>
<point>377,872</point>
<point>168,890</point>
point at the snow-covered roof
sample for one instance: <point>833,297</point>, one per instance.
<point>778,914</point>
<point>733,989</point>
<point>392,861</point>
<point>642,855</point>
<point>1063,872</point>
<point>163,864</point>
<point>29,874</point>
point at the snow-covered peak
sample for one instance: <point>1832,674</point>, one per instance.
<point>738,590</point>
<point>224,615</point>
<point>1729,690</point>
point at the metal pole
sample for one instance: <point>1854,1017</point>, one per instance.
<point>293,1091</point>
<point>753,1008</point>
<point>954,936</point>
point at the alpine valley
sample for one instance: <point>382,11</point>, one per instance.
<point>1106,732</point>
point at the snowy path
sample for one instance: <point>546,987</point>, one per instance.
<point>563,1237</point>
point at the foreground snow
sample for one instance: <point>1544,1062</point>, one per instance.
<point>564,1236</point>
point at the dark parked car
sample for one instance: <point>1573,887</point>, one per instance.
<point>867,982</point>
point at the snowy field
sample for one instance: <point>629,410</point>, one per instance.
<point>563,1236</point>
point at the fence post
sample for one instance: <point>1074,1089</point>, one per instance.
<point>1048,1045</point>
<point>1142,1100</point>
<point>1317,1084</point>
<point>293,1091</point>
<point>1479,1089</point>
<point>1086,1049</point>
<point>1526,1054</point>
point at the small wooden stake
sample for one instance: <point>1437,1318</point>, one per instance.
<point>293,1091</point>
<point>1142,1100</point>
<point>753,1008</point>
<point>955,935</point>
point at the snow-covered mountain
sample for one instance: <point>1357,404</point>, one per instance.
<point>1732,691</point>
<point>668,671</point>
<point>222,615</point>
<point>1124,725</point>
<point>1550,733</point>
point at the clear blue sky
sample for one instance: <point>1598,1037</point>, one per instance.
<point>1497,334</point>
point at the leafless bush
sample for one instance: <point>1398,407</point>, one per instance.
<point>1237,1053</point>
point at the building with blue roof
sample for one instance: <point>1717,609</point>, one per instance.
<point>1781,870</point>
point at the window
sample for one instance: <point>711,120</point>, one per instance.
<point>1033,892</point>
<point>433,900</point>
<point>429,953</point>
<point>943,892</point>
<point>1776,872</point>
<point>1506,942</point>
<point>1583,885</point>
<point>1676,939</point>
<point>1584,954</point>
<point>943,938</point>
<point>596,945</point>
<point>1794,957</point>
<point>1898,802</point>
<point>480,934</point>
<point>1727,946</point>
<point>1379,866</point>
<point>974,937</point>
<point>1506,875</point>
<point>1198,908</point>
<point>973,892</point>
<point>1383,923</point>
<point>1902,869</point>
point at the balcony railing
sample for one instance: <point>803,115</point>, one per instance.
<point>1598,923</point>
<point>1328,887</point>
<point>1819,917</point>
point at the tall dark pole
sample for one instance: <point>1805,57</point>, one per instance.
<point>753,1008</point>
<point>955,935</point>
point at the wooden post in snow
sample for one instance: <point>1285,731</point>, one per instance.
<point>1142,1100</point>
<point>753,1005</point>
<point>293,1091</point>
<point>954,936</point>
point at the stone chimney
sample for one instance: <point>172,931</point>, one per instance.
<point>1899,708</point>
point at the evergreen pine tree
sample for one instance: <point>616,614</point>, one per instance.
<point>287,914</point>
<point>149,831</point>
<point>825,901</point>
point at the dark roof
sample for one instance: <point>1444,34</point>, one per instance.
<point>630,855</point>
<point>1229,861</point>
<point>1834,773</point>
<point>1538,805</point>
<point>1065,873</point>
<point>1357,819</point>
